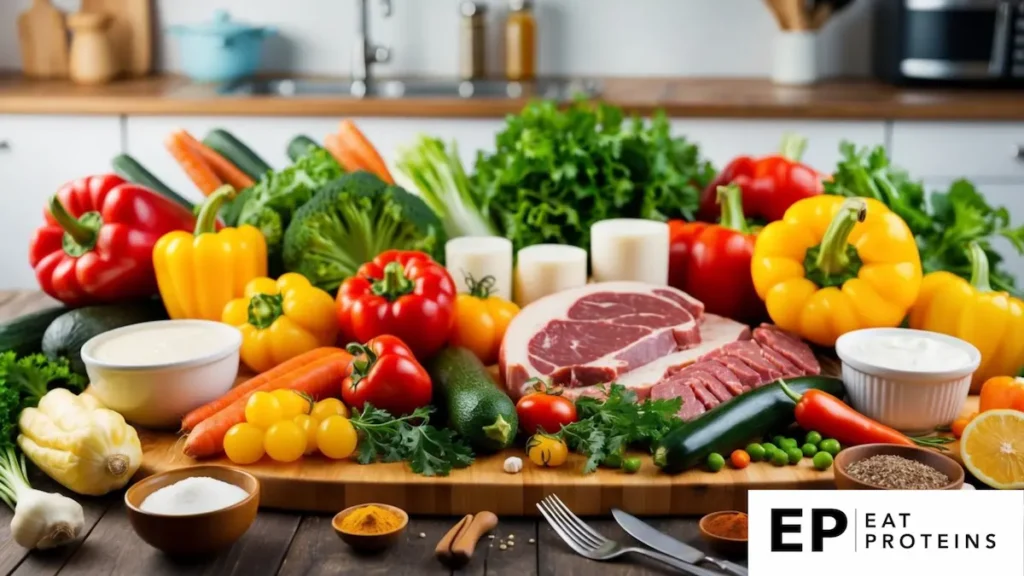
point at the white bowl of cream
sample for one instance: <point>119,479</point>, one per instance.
<point>155,372</point>
<point>911,380</point>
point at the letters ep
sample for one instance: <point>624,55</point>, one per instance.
<point>781,527</point>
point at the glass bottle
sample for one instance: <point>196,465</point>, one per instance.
<point>520,41</point>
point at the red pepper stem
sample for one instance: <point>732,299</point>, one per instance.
<point>730,198</point>
<point>792,147</point>
<point>793,395</point>
<point>394,283</point>
<point>979,267</point>
<point>82,234</point>
<point>363,360</point>
<point>206,222</point>
<point>833,258</point>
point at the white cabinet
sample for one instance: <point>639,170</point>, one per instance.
<point>976,150</point>
<point>37,155</point>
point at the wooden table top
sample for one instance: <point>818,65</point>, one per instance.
<point>679,97</point>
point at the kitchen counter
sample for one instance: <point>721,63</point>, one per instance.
<point>690,97</point>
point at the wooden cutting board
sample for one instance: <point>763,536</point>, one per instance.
<point>130,32</point>
<point>44,41</point>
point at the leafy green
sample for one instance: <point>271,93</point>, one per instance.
<point>944,228</point>
<point>555,172</point>
<point>350,221</point>
<point>24,381</point>
<point>606,427</point>
<point>428,450</point>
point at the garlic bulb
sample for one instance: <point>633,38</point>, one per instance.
<point>45,520</point>
<point>513,465</point>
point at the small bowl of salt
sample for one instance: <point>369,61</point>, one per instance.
<point>195,511</point>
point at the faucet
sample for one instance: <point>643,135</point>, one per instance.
<point>364,53</point>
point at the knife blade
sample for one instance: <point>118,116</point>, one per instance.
<point>666,544</point>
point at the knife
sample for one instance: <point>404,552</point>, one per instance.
<point>668,545</point>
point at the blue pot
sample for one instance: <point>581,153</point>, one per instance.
<point>220,50</point>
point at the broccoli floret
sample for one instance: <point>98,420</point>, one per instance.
<point>352,220</point>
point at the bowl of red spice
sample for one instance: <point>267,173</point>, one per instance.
<point>370,527</point>
<point>726,532</point>
<point>896,467</point>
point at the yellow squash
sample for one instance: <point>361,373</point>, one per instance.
<point>833,265</point>
<point>281,319</point>
<point>201,272</point>
<point>972,311</point>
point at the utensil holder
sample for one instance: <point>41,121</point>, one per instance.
<point>795,59</point>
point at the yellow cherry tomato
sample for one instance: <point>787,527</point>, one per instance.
<point>547,451</point>
<point>309,425</point>
<point>285,441</point>
<point>328,407</point>
<point>336,437</point>
<point>292,403</point>
<point>243,443</point>
<point>263,409</point>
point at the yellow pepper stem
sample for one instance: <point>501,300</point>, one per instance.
<point>835,261</point>
<point>979,267</point>
<point>264,309</point>
<point>206,222</point>
<point>394,283</point>
<point>730,198</point>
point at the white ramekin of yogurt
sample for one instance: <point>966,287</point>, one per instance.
<point>911,380</point>
<point>155,372</point>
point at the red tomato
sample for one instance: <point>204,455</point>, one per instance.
<point>545,410</point>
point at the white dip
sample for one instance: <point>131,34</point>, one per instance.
<point>160,344</point>
<point>910,353</point>
<point>195,495</point>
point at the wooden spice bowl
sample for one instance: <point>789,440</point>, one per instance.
<point>736,547</point>
<point>926,456</point>
<point>191,535</point>
<point>370,542</point>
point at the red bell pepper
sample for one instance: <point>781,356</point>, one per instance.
<point>97,243</point>
<point>770,184</point>
<point>402,293</point>
<point>384,372</point>
<point>711,262</point>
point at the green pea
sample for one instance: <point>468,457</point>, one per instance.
<point>779,458</point>
<point>830,445</point>
<point>809,449</point>
<point>715,462</point>
<point>788,443</point>
<point>822,461</point>
<point>777,440</point>
<point>794,455</point>
<point>613,460</point>
<point>756,452</point>
<point>768,447</point>
<point>813,438</point>
<point>631,465</point>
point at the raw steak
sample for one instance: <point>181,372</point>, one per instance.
<point>744,373</point>
<point>676,388</point>
<point>789,345</point>
<point>749,352</point>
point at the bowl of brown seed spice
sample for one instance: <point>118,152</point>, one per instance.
<point>896,467</point>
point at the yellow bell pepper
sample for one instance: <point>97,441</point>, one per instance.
<point>201,272</point>
<point>281,319</point>
<point>972,311</point>
<point>833,265</point>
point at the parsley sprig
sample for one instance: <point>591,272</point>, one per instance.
<point>429,451</point>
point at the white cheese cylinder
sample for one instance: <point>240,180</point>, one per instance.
<point>479,257</point>
<point>626,249</point>
<point>544,269</point>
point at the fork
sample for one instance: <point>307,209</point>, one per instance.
<point>588,543</point>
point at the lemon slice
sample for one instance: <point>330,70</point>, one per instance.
<point>992,448</point>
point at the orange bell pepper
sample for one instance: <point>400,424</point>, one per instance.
<point>1002,392</point>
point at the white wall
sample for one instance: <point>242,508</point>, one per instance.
<point>576,37</point>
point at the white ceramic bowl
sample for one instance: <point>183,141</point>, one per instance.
<point>911,401</point>
<point>157,395</point>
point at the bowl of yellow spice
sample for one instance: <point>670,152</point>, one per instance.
<point>370,527</point>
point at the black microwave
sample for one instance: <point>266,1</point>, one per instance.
<point>949,41</point>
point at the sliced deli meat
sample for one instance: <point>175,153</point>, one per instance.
<point>789,346</point>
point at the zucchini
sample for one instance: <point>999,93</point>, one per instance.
<point>71,330</point>
<point>300,146</point>
<point>129,168</point>
<point>733,424</point>
<point>476,409</point>
<point>231,148</point>
<point>24,334</point>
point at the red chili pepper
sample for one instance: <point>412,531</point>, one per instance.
<point>402,293</point>
<point>711,262</point>
<point>823,412</point>
<point>385,373</point>
<point>770,184</point>
<point>97,243</point>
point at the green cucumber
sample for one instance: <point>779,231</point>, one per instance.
<point>70,331</point>
<point>24,334</point>
<point>731,425</point>
<point>129,168</point>
<point>300,146</point>
<point>476,409</point>
<point>231,148</point>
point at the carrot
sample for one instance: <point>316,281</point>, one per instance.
<point>320,379</point>
<point>193,418</point>
<point>355,142</point>
<point>198,171</point>
<point>344,157</point>
<point>220,165</point>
